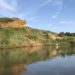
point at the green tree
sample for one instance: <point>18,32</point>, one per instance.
<point>61,34</point>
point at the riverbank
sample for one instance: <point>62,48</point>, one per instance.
<point>25,37</point>
<point>25,46</point>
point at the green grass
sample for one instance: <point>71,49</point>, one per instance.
<point>23,36</point>
<point>6,20</point>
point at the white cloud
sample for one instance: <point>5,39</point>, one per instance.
<point>37,7</point>
<point>55,15</point>
<point>10,8</point>
<point>54,3</point>
<point>45,3</point>
<point>66,22</point>
<point>6,5</point>
<point>58,4</point>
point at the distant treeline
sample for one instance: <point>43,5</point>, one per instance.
<point>61,34</point>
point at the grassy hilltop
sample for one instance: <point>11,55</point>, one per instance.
<point>12,37</point>
<point>15,33</point>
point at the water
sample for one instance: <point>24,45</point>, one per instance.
<point>38,61</point>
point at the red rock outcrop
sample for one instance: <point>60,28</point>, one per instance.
<point>16,23</point>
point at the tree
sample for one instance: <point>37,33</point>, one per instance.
<point>61,34</point>
<point>68,34</point>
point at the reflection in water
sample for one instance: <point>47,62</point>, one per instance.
<point>15,61</point>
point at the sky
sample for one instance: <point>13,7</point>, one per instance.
<point>52,15</point>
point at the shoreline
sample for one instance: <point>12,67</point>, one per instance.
<point>12,47</point>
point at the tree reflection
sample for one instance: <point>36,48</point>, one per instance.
<point>15,61</point>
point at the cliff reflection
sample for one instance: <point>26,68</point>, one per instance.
<point>15,61</point>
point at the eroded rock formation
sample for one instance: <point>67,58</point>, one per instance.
<point>12,22</point>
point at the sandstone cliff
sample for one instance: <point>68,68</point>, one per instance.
<point>12,22</point>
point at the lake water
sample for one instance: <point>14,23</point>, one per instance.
<point>38,61</point>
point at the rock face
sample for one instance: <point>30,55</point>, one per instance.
<point>12,22</point>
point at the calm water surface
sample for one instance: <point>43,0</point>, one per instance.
<point>38,61</point>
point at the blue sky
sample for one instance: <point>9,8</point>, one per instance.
<point>53,15</point>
